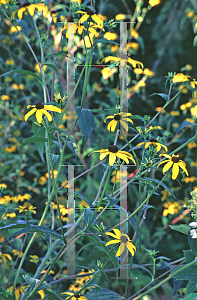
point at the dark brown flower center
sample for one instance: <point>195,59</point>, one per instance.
<point>123,239</point>
<point>39,106</point>
<point>117,117</point>
<point>190,78</point>
<point>175,159</point>
<point>77,296</point>
<point>25,4</point>
<point>153,140</point>
<point>53,12</point>
<point>90,12</point>
<point>113,149</point>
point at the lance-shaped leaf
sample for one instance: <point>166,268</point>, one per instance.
<point>185,124</point>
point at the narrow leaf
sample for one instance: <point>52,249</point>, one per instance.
<point>185,124</point>
<point>181,228</point>
<point>23,72</point>
<point>164,96</point>
<point>52,67</point>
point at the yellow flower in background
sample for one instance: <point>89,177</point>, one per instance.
<point>16,253</point>
<point>148,72</point>
<point>133,45</point>
<point>9,62</point>
<point>55,172</point>
<point>5,97</point>
<point>5,257</point>
<point>18,291</point>
<point>174,162</point>
<point>41,110</point>
<point>123,240</point>
<point>30,8</point>
<point>92,15</point>
<point>153,142</point>
<point>4,2</point>
<point>193,111</point>
<point>171,208</point>
<point>38,69</point>
<point>154,2</point>
<point>10,149</point>
<point>3,186</point>
<point>122,61</point>
<point>108,72</point>
<point>76,297</point>
<point>120,17</point>
<point>23,197</point>
<point>191,145</point>
<point>114,153</point>
<point>27,207</point>
<point>122,118</point>
<point>42,180</point>
<point>34,258</point>
<point>111,36</point>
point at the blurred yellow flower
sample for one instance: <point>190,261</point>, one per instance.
<point>108,72</point>
<point>9,62</point>
<point>154,2</point>
<point>5,97</point>
<point>120,17</point>
<point>111,36</point>
<point>171,208</point>
<point>30,8</point>
<point>122,61</point>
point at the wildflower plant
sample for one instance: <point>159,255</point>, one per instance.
<point>72,84</point>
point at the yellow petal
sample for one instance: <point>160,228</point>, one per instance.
<point>97,19</point>
<point>20,12</point>
<point>31,9</point>
<point>166,155</point>
<point>131,248</point>
<point>52,108</point>
<point>84,18</point>
<point>112,158</point>
<point>41,293</point>
<point>120,249</point>
<point>112,125</point>
<point>117,233</point>
<point>31,112</point>
<point>109,117</point>
<point>103,155</point>
<point>123,157</point>
<point>124,125</point>
<point>167,166</point>
<point>39,114</point>
<point>112,242</point>
<point>158,147</point>
<point>182,166</point>
<point>175,171</point>
<point>138,145</point>
<point>111,58</point>
<point>162,162</point>
<point>49,117</point>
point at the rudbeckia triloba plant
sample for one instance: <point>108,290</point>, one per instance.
<point>153,142</point>
<point>122,118</point>
<point>114,153</point>
<point>174,162</point>
<point>40,110</point>
<point>123,240</point>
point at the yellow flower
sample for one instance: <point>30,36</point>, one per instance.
<point>16,253</point>
<point>5,256</point>
<point>83,204</point>
<point>50,272</point>
<point>111,36</point>
<point>107,72</point>
<point>30,8</point>
<point>37,68</point>
<point>154,2</point>
<point>92,15</point>
<point>41,109</point>
<point>191,145</point>
<point>75,287</point>
<point>133,45</point>
<point>34,258</point>
<point>10,149</point>
<point>121,118</point>
<point>123,240</point>
<point>131,61</point>
<point>4,2</point>
<point>27,207</point>
<point>5,97</point>
<point>153,142</point>
<point>149,73</point>
<point>9,62</point>
<point>23,197</point>
<point>174,162</point>
<point>120,17</point>
<point>171,208</point>
<point>179,77</point>
<point>18,291</point>
<point>55,172</point>
<point>76,297</point>
<point>3,186</point>
<point>194,111</point>
<point>42,180</point>
<point>114,153</point>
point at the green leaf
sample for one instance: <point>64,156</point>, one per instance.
<point>33,139</point>
<point>24,28</point>
<point>192,296</point>
<point>52,67</point>
<point>193,244</point>
<point>23,72</point>
<point>30,228</point>
<point>184,124</point>
<point>189,273</point>
<point>39,131</point>
<point>63,131</point>
<point>181,228</point>
<point>103,294</point>
<point>191,287</point>
<point>86,123</point>
<point>88,214</point>
<point>33,282</point>
<point>63,53</point>
<point>189,256</point>
<point>54,158</point>
<point>164,96</point>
